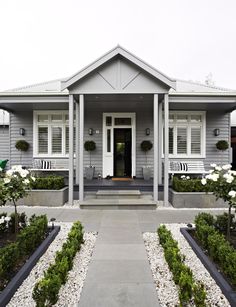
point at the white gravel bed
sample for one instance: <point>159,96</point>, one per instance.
<point>23,296</point>
<point>215,297</point>
<point>166,289</point>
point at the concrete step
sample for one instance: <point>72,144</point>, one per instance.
<point>118,194</point>
<point>118,203</point>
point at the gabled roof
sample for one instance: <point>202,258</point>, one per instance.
<point>111,54</point>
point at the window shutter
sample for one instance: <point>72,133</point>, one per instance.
<point>67,139</point>
<point>196,140</point>
<point>43,140</point>
<point>181,140</point>
<point>56,140</point>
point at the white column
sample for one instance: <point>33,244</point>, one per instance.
<point>155,147</point>
<point>77,143</point>
<point>160,151</point>
<point>71,149</point>
<point>81,147</point>
<point>166,149</point>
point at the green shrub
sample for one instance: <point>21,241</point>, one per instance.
<point>27,240</point>
<point>48,183</point>
<point>182,274</point>
<point>221,222</point>
<point>219,249</point>
<point>45,292</point>
<point>22,220</point>
<point>187,185</point>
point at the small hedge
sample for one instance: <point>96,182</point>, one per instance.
<point>45,292</point>
<point>48,183</point>
<point>187,185</point>
<point>14,253</point>
<point>182,274</point>
<point>219,249</point>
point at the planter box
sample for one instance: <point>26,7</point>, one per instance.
<point>195,200</point>
<point>22,274</point>
<point>50,198</point>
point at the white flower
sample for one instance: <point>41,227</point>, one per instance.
<point>24,173</point>
<point>213,165</point>
<point>2,220</point>
<point>213,177</point>
<point>211,171</point>
<point>187,177</point>
<point>218,168</point>
<point>33,178</point>
<point>183,176</point>
<point>232,193</point>
<point>226,167</point>
<point>10,172</point>
<point>7,218</point>
<point>6,180</point>
<point>228,177</point>
<point>204,181</point>
<point>26,181</point>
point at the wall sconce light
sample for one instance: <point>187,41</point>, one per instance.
<point>22,131</point>
<point>147,131</point>
<point>216,132</point>
<point>90,131</point>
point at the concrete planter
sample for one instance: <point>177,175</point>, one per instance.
<point>195,200</point>
<point>146,172</point>
<point>49,198</point>
<point>89,172</point>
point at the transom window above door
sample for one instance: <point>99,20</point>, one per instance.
<point>187,132</point>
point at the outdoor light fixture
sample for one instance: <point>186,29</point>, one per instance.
<point>216,132</point>
<point>52,220</point>
<point>90,131</point>
<point>147,131</point>
<point>22,131</point>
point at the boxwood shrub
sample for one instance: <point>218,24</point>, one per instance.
<point>182,274</point>
<point>26,242</point>
<point>45,292</point>
<point>218,248</point>
<point>48,183</point>
<point>187,185</point>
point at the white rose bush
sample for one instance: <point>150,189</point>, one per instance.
<point>13,186</point>
<point>221,180</point>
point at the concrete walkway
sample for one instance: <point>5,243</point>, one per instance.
<point>119,273</point>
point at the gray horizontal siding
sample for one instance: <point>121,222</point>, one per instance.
<point>4,142</point>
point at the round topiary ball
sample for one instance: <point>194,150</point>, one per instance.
<point>89,145</point>
<point>146,145</point>
<point>222,145</point>
<point>22,145</point>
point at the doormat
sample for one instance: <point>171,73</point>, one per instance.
<point>121,179</point>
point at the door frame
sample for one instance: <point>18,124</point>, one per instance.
<point>108,157</point>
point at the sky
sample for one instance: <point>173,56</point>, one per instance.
<point>50,39</point>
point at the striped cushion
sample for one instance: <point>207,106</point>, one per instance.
<point>45,164</point>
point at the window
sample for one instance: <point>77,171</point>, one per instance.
<point>52,133</point>
<point>186,134</point>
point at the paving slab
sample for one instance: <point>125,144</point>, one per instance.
<point>120,295</point>
<point>120,235</point>
<point>119,252</point>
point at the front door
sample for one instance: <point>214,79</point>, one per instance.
<point>122,152</point>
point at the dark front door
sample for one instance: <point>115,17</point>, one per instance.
<point>122,152</point>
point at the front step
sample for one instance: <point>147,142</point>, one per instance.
<point>118,204</point>
<point>118,194</point>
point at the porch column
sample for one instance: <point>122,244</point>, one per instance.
<point>71,149</point>
<point>77,143</point>
<point>155,147</point>
<point>81,147</point>
<point>160,151</point>
<point>166,149</point>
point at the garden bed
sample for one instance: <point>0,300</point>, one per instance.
<point>167,290</point>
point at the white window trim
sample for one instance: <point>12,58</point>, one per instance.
<point>62,124</point>
<point>202,155</point>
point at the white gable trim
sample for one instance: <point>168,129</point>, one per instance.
<point>111,54</point>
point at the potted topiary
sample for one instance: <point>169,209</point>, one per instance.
<point>222,145</point>
<point>89,170</point>
<point>22,146</point>
<point>146,146</point>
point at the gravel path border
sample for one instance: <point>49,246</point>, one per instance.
<point>166,289</point>
<point>23,296</point>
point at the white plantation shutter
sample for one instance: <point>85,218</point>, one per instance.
<point>43,139</point>
<point>181,140</point>
<point>56,140</point>
<point>196,140</point>
<point>67,139</point>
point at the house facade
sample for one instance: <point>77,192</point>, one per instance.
<point>118,101</point>
<point>4,135</point>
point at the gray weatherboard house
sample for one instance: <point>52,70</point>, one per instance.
<point>118,101</point>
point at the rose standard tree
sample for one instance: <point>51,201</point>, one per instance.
<point>14,185</point>
<point>221,180</point>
